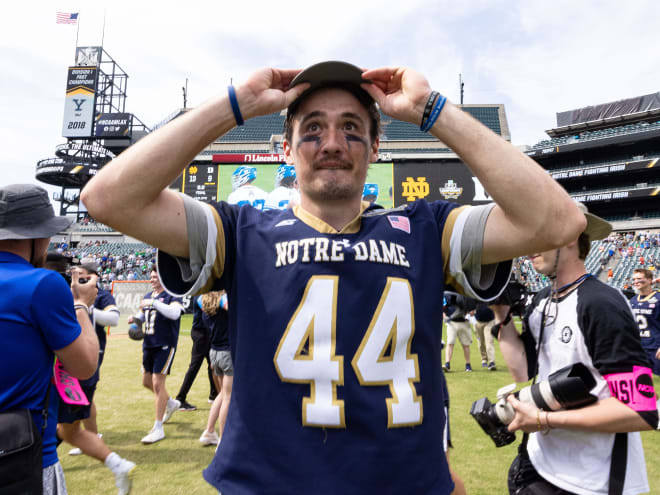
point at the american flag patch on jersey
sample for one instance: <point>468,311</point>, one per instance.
<point>399,222</point>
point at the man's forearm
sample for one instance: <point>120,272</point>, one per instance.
<point>532,205</point>
<point>608,416</point>
<point>513,352</point>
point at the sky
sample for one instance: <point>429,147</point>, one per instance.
<point>535,57</point>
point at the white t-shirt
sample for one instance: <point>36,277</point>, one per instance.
<point>593,326</point>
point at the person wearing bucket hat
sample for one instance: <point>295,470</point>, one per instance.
<point>39,319</point>
<point>317,287</point>
<point>579,319</point>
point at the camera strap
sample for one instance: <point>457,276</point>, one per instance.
<point>618,464</point>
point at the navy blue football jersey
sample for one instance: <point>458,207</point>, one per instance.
<point>336,345</point>
<point>647,313</point>
<point>158,330</point>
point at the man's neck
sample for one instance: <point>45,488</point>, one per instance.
<point>570,272</point>
<point>337,214</point>
<point>646,292</point>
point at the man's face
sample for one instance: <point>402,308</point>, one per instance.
<point>641,284</point>
<point>330,146</point>
<point>544,262</point>
<point>155,282</point>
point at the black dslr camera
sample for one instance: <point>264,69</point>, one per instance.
<point>567,388</point>
<point>514,295</point>
<point>61,264</point>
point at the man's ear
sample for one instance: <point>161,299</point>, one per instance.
<point>373,157</point>
<point>288,152</point>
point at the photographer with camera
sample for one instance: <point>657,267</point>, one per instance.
<point>578,323</point>
<point>40,318</point>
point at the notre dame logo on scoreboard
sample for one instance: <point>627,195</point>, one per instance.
<point>448,180</point>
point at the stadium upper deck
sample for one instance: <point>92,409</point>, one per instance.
<point>606,156</point>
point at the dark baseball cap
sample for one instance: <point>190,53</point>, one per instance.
<point>331,74</point>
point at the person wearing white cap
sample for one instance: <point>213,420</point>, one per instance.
<point>334,330</point>
<point>39,319</point>
<point>578,319</point>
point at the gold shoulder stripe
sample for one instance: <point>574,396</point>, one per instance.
<point>447,233</point>
<point>219,262</point>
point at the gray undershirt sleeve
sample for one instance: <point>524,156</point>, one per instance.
<point>472,243</point>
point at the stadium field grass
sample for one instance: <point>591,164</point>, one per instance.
<point>174,465</point>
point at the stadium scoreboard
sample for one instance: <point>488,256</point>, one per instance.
<point>200,181</point>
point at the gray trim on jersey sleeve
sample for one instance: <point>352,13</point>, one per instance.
<point>483,282</point>
<point>193,273</point>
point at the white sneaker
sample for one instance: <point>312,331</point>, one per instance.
<point>173,405</point>
<point>209,438</point>
<point>77,451</point>
<point>123,476</point>
<point>155,435</point>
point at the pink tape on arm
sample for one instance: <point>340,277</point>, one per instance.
<point>68,387</point>
<point>633,388</point>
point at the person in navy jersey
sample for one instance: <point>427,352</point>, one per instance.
<point>335,306</point>
<point>160,317</point>
<point>646,308</point>
<point>201,347</point>
<point>214,305</point>
<point>72,418</point>
<point>39,319</point>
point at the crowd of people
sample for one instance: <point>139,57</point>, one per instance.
<point>335,305</point>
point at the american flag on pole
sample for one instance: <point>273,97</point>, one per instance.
<point>399,222</point>
<point>66,18</point>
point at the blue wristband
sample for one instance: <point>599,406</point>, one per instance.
<point>439,105</point>
<point>234,105</point>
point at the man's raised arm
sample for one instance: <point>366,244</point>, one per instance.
<point>533,213</point>
<point>130,193</point>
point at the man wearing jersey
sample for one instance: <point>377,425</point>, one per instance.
<point>160,316</point>
<point>594,449</point>
<point>243,191</point>
<point>646,308</point>
<point>285,194</point>
<point>336,307</point>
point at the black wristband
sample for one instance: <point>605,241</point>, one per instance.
<point>429,107</point>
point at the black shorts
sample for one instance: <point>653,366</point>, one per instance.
<point>158,359</point>
<point>70,413</point>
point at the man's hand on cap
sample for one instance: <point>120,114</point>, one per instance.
<point>400,92</point>
<point>267,91</point>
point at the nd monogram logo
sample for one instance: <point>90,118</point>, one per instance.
<point>192,170</point>
<point>415,189</point>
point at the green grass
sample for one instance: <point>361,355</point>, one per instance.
<point>174,465</point>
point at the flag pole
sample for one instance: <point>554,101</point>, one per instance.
<point>103,32</point>
<point>77,31</point>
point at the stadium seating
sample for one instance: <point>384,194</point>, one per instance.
<point>599,134</point>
